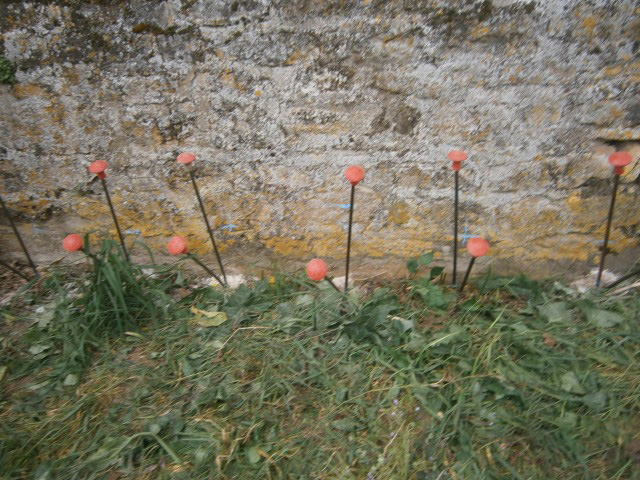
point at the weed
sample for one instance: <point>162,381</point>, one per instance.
<point>7,72</point>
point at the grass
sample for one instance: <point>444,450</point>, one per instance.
<point>282,379</point>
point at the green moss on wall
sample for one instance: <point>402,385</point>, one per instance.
<point>7,72</point>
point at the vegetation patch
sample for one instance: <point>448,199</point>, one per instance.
<point>287,379</point>
<point>7,72</point>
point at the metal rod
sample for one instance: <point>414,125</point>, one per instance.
<point>332,284</point>
<point>115,219</point>
<point>207,269</point>
<point>616,177</point>
<point>17,234</point>
<point>455,229</point>
<point>342,309</point>
<point>622,279</point>
<point>9,267</point>
<point>206,221</point>
<point>466,275</point>
<point>346,277</point>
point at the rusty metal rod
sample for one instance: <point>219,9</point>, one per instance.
<point>206,221</point>
<point>17,234</point>
<point>115,219</point>
<point>9,267</point>
<point>623,278</point>
<point>330,280</point>
<point>466,275</point>
<point>455,229</point>
<point>207,269</point>
<point>346,277</point>
<point>616,177</point>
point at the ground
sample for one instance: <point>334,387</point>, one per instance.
<point>107,372</point>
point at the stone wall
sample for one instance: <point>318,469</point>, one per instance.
<point>277,98</point>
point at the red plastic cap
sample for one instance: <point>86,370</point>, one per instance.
<point>186,158</point>
<point>177,245</point>
<point>477,247</point>
<point>317,269</point>
<point>620,159</point>
<point>72,243</point>
<point>457,157</point>
<point>354,173</point>
<point>98,167</point>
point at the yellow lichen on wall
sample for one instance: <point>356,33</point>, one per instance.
<point>398,213</point>
<point>290,247</point>
<point>228,78</point>
<point>589,23</point>
<point>275,113</point>
<point>23,91</point>
<point>328,128</point>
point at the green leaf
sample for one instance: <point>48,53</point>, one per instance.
<point>406,324</point>
<point>179,281</point>
<point>435,272</point>
<point>287,323</point>
<point>415,344</point>
<point>426,259</point>
<point>38,348</point>
<point>341,394</point>
<point>464,366</point>
<point>446,337</point>
<point>346,425</point>
<point>3,370</point>
<point>570,383</point>
<point>45,318</point>
<point>253,455</point>
<point>568,420</point>
<point>596,401</point>
<point>412,265</point>
<point>214,344</point>
<point>520,327</point>
<point>155,428</point>
<point>555,312</point>
<point>187,369</point>
<point>603,318</point>
<point>304,300</point>
<point>432,296</point>
<point>206,318</point>
<point>70,380</point>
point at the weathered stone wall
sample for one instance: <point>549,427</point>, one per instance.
<point>277,98</point>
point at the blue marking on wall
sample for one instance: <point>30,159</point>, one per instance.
<point>465,236</point>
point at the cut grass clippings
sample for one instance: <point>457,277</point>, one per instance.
<point>518,380</point>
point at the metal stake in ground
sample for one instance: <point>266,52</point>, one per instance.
<point>178,245</point>
<point>17,272</point>
<point>477,247</point>
<point>619,160</point>
<point>456,157</point>
<point>187,159</point>
<point>623,278</point>
<point>355,174</point>
<point>98,167</point>
<point>17,234</point>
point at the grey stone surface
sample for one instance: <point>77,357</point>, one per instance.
<point>277,98</point>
